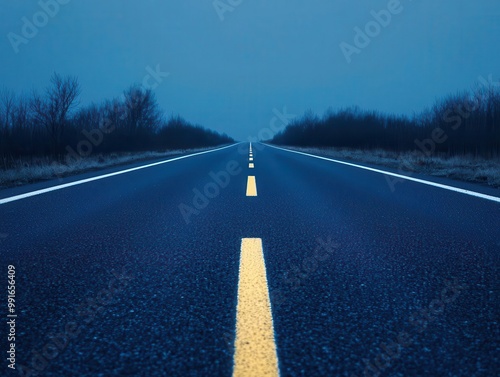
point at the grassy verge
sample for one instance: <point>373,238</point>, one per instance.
<point>40,169</point>
<point>467,169</point>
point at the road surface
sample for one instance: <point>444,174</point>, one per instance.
<point>234,262</point>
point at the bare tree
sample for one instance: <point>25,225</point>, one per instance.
<point>22,115</point>
<point>52,110</point>
<point>7,109</point>
<point>142,110</point>
<point>87,118</point>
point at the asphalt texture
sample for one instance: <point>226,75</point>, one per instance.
<point>113,279</point>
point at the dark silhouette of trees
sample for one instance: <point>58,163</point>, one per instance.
<point>51,125</point>
<point>466,123</point>
<point>7,111</point>
<point>142,111</point>
<point>177,133</point>
<point>51,111</point>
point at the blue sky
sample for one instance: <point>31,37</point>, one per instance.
<point>231,71</point>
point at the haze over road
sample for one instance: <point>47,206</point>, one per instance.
<point>321,268</point>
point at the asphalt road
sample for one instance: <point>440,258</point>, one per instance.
<point>137,274</point>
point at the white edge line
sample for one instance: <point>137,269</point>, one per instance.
<point>66,185</point>
<point>446,187</point>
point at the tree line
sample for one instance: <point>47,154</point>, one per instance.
<point>53,124</point>
<point>467,123</point>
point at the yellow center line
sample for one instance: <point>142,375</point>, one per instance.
<point>251,186</point>
<point>255,347</point>
<point>251,165</point>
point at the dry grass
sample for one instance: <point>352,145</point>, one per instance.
<point>25,172</point>
<point>467,169</point>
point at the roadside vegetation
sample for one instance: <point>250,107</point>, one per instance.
<point>43,135</point>
<point>44,168</point>
<point>459,137</point>
<point>463,168</point>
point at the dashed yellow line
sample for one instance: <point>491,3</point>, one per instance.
<point>255,347</point>
<point>251,158</point>
<point>251,186</point>
<point>251,165</point>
